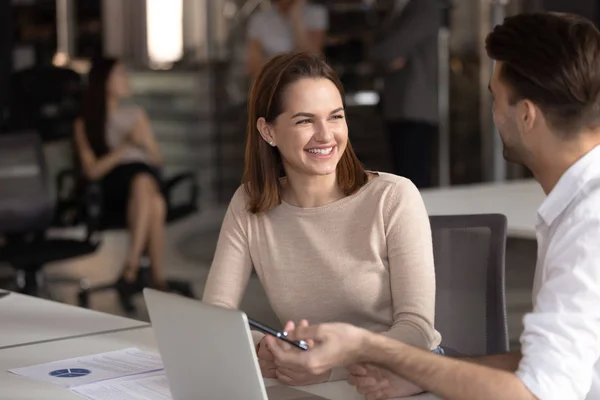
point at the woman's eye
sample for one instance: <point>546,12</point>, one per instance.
<point>337,117</point>
<point>304,121</point>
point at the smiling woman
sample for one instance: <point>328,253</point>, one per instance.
<point>329,241</point>
<point>297,121</point>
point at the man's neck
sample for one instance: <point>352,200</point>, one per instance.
<point>550,168</point>
<point>311,191</point>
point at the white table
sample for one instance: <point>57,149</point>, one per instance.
<point>518,200</point>
<point>19,388</point>
<point>26,320</point>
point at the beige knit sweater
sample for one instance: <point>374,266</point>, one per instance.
<point>366,260</point>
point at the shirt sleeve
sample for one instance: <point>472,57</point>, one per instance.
<point>254,29</point>
<point>412,273</point>
<point>232,263</point>
<point>317,18</point>
<point>561,338</point>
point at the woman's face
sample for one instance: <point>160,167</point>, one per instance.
<point>118,83</point>
<point>311,133</point>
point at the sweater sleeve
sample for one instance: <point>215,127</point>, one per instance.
<point>411,267</point>
<point>232,264</point>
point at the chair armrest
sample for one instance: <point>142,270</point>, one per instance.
<point>63,178</point>
<point>92,207</point>
<point>66,207</point>
<point>189,178</point>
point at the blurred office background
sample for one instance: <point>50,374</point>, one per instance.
<point>186,60</point>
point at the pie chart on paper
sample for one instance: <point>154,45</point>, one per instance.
<point>70,373</point>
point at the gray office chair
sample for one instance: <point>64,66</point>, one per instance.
<point>26,212</point>
<point>470,311</point>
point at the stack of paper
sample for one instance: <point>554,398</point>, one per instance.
<point>152,386</point>
<point>117,375</point>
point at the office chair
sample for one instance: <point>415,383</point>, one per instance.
<point>26,212</point>
<point>70,184</point>
<point>45,99</point>
<point>469,253</point>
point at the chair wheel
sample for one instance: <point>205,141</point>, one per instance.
<point>83,299</point>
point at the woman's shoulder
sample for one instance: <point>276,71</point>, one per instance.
<point>239,201</point>
<point>398,195</point>
<point>394,190</point>
<point>392,184</point>
<point>261,17</point>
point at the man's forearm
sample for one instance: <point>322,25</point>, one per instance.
<point>507,362</point>
<point>446,377</point>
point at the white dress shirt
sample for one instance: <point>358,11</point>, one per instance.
<point>561,338</point>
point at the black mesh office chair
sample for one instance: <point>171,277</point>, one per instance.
<point>26,212</point>
<point>70,186</point>
<point>45,99</point>
<point>470,312</point>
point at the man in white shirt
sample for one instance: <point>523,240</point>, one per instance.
<point>289,25</point>
<point>546,88</point>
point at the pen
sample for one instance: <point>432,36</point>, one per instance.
<point>301,344</point>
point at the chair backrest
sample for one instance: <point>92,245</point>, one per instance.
<point>25,201</point>
<point>47,99</point>
<point>469,253</point>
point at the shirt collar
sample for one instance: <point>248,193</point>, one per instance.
<point>569,185</point>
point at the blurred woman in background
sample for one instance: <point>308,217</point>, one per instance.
<point>116,147</point>
<point>290,25</point>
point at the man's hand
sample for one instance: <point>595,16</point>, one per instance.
<point>292,377</point>
<point>377,384</point>
<point>333,345</point>
<point>289,373</point>
<point>266,361</point>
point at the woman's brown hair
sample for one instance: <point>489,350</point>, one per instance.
<point>263,166</point>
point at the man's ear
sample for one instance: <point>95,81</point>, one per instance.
<point>265,130</point>
<point>528,113</point>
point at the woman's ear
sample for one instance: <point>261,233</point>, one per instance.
<point>265,131</point>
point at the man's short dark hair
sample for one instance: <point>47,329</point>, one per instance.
<point>553,60</point>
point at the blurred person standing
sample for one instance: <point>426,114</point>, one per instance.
<point>406,50</point>
<point>289,25</point>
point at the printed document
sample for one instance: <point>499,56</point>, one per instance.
<point>79,371</point>
<point>151,386</point>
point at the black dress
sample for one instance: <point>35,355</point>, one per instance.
<point>116,185</point>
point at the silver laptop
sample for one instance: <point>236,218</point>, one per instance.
<point>208,352</point>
